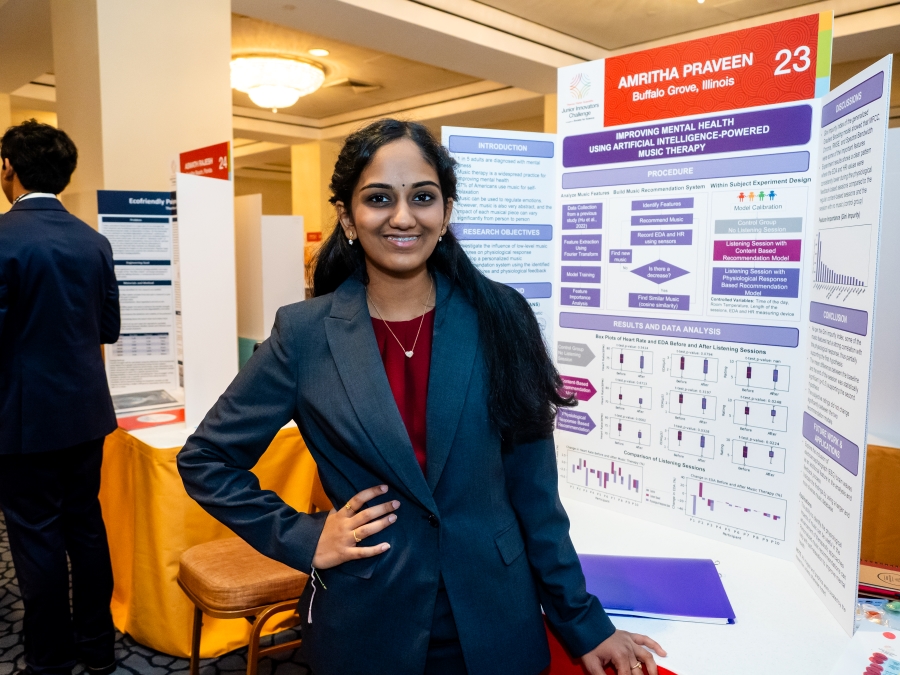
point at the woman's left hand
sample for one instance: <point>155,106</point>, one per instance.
<point>625,651</point>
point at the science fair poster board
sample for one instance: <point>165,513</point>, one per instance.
<point>722,370</point>
<point>504,215</point>
<point>143,365</point>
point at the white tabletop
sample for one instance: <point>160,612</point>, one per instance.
<point>782,627</point>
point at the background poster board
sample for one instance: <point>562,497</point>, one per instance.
<point>504,216</point>
<point>845,258</point>
<point>142,367</point>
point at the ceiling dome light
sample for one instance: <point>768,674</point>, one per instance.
<point>275,81</point>
<point>319,52</point>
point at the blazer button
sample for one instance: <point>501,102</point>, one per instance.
<point>433,521</point>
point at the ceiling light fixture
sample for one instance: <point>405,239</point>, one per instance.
<point>275,81</point>
<point>319,52</point>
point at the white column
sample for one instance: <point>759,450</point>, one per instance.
<point>137,82</point>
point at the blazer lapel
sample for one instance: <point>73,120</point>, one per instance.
<point>453,350</point>
<point>355,352</point>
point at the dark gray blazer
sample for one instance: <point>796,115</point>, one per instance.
<point>490,522</point>
<point>59,301</point>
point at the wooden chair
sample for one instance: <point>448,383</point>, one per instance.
<point>227,579</point>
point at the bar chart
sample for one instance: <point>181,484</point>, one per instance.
<point>605,475</point>
<point>692,443</point>
<point>771,376</point>
<point>758,456</point>
<point>692,405</point>
<point>631,395</point>
<point>702,368</point>
<point>629,430</point>
<point>761,415</point>
<point>842,255</point>
<point>631,360</point>
<point>737,508</point>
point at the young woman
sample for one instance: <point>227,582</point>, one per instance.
<point>426,396</point>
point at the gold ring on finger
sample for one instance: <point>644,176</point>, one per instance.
<point>636,665</point>
<point>355,537</point>
<point>349,508</point>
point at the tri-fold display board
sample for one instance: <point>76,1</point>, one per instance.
<point>702,252</point>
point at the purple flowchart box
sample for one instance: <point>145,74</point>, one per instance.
<point>620,255</point>
<point>665,301</point>
<point>572,420</point>
<point>534,290</point>
<point>756,250</point>
<point>756,282</point>
<point>663,219</point>
<point>580,297</point>
<point>659,272</point>
<point>579,387</point>
<point>662,237</point>
<point>660,204</point>
<point>843,318</point>
<point>584,247</point>
<point>582,216</point>
<point>842,450</point>
<point>580,275</point>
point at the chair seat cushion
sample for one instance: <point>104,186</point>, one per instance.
<point>229,575</point>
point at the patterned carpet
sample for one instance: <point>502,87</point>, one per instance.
<point>133,658</point>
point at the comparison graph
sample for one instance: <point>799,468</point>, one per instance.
<point>701,368</point>
<point>629,430</point>
<point>733,507</point>
<point>631,360</point>
<point>631,395</point>
<point>692,405</point>
<point>604,475</point>
<point>771,376</point>
<point>760,415</point>
<point>692,443</point>
<point>757,456</point>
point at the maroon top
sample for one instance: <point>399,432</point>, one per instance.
<point>408,376</point>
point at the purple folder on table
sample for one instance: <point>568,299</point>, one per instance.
<point>682,589</point>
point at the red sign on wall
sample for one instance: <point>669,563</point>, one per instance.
<point>212,162</point>
<point>769,64</point>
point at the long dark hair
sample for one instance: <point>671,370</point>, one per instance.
<point>524,386</point>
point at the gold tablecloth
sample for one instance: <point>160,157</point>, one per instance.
<point>151,521</point>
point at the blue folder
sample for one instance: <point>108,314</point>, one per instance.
<point>681,589</point>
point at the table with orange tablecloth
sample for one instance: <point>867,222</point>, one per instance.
<point>151,521</point>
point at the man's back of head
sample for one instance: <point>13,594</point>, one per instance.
<point>36,158</point>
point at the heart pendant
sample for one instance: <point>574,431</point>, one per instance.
<point>409,354</point>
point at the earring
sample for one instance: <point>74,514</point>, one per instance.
<point>350,240</point>
<point>441,238</point>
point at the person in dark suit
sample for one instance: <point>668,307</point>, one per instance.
<point>427,397</point>
<point>59,302</point>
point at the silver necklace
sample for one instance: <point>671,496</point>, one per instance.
<point>411,350</point>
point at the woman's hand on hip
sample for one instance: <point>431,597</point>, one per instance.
<point>626,651</point>
<point>346,528</point>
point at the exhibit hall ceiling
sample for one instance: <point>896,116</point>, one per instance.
<point>355,77</point>
<point>614,24</point>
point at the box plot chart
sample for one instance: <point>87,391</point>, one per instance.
<point>631,360</point>
<point>733,507</point>
<point>692,405</point>
<point>631,395</point>
<point>842,255</point>
<point>692,443</point>
<point>627,430</point>
<point>757,456</point>
<point>761,415</point>
<point>695,368</point>
<point>604,475</point>
<point>771,376</point>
